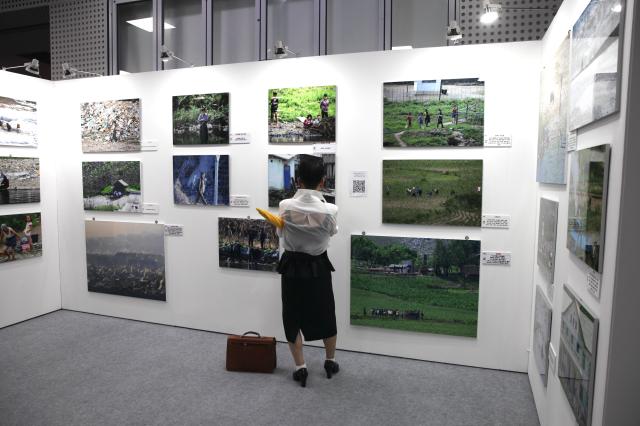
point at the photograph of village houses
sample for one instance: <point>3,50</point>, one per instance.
<point>111,186</point>
<point>283,182</point>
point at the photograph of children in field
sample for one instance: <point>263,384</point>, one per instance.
<point>20,237</point>
<point>432,192</point>
<point>415,284</point>
<point>303,114</point>
<point>201,119</point>
<point>427,113</point>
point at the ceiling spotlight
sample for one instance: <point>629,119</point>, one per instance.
<point>70,72</point>
<point>491,13</point>
<point>617,8</point>
<point>453,32</point>
<point>32,67</point>
<point>280,50</point>
<point>167,55</point>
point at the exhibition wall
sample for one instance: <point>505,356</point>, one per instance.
<point>551,402</point>
<point>31,287</point>
<point>200,294</point>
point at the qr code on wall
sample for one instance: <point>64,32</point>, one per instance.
<point>359,187</point>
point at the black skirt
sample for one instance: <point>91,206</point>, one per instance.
<point>307,296</point>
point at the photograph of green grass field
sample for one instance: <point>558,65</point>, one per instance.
<point>432,192</point>
<point>415,284</point>
<point>426,113</point>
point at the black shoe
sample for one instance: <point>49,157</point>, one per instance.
<point>331,367</point>
<point>301,376</point>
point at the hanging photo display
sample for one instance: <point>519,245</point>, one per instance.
<point>302,115</point>
<point>542,334</point>
<point>554,105</point>
<point>247,244</point>
<point>434,113</point>
<point>589,175</point>
<point>110,126</point>
<point>20,237</point>
<point>415,284</point>
<point>112,186</point>
<point>201,119</point>
<point>283,174</point>
<point>547,228</point>
<point>201,180</point>
<point>126,259</point>
<point>432,192</point>
<point>19,180</point>
<point>18,122</point>
<point>596,42</point>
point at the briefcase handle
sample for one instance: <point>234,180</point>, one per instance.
<point>251,332</point>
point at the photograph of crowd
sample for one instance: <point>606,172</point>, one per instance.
<point>126,259</point>
<point>247,244</point>
<point>201,119</point>
<point>201,180</point>
<point>19,180</point>
<point>283,178</point>
<point>111,186</point>
<point>18,122</point>
<point>303,114</point>
<point>425,113</point>
<point>20,237</point>
<point>415,284</point>
<point>110,126</point>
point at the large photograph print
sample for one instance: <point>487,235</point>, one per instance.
<point>547,228</point>
<point>302,115</point>
<point>283,174</point>
<point>201,119</point>
<point>426,113</point>
<point>247,244</point>
<point>111,186</point>
<point>596,42</point>
<point>589,175</point>
<point>19,180</point>
<point>577,356</point>
<point>18,122</point>
<point>432,192</point>
<point>110,126</point>
<point>201,180</point>
<point>415,284</point>
<point>20,237</point>
<point>126,259</point>
<point>554,105</point>
<point>542,334</point>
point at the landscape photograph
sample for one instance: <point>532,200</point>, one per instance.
<point>126,259</point>
<point>110,126</point>
<point>542,334</point>
<point>247,244</point>
<point>201,119</point>
<point>554,105</point>
<point>434,113</point>
<point>201,180</point>
<point>18,122</point>
<point>20,237</point>
<point>19,180</point>
<point>432,192</point>
<point>111,186</point>
<point>415,284</point>
<point>302,115</point>
<point>283,177</point>
<point>547,228</point>
<point>589,175</point>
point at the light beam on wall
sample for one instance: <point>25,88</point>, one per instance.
<point>147,24</point>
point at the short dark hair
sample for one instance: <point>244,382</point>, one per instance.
<point>310,170</point>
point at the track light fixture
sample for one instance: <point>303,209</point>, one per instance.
<point>70,72</point>
<point>167,55</point>
<point>280,50</point>
<point>492,11</point>
<point>32,67</point>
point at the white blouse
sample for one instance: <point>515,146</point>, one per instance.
<point>309,222</point>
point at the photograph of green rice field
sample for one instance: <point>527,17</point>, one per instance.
<point>426,113</point>
<point>432,192</point>
<point>415,284</point>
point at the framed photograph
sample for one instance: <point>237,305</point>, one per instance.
<point>201,180</point>
<point>247,244</point>
<point>434,113</point>
<point>283,169</point>
<point>110,126</point>
<point>20,237</point>
<point>18,122</point>
<point>415,284</point>
<point>112,186</point>
<point>542,334</point>
<point>547,228</point>
<point>19,180</point>
<point>201,119</point>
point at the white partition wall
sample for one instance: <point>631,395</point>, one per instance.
<point>31,287</point>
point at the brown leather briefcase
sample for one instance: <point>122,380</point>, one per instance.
<point>255,354</point>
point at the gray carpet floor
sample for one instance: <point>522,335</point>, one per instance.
<point>70,368</point>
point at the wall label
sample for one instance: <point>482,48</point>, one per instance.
<point>149,145</point>
<point>496,258</point>
<point>239,200</point>
<point>572,141</point>
<point>501,221</point>
<point>593,283</point>
<point>498,141</point>
<point>238,138</point>
<point>358,187</point>
<point>324,148</point>
<point>553,360</point>
<point>150,208</point>
<point>173,230</point>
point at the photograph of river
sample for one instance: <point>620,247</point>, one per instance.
<point>19,180</point>
<point>18,122</point>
